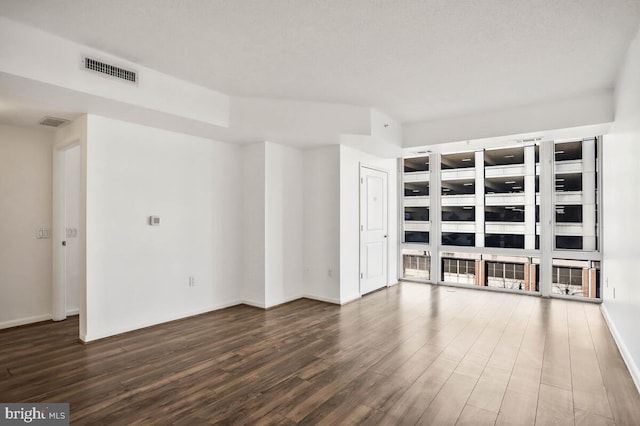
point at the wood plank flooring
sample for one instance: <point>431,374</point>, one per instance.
<point>410,354</point>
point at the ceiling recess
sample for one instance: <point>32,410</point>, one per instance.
<point>110,70</point>
<point>53,121</point>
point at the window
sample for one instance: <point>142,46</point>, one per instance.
<point>416,224</point>
<point>576,278</point>
<point>459,268</point>
<point>416,264</point>
<point>575,196</point>
<point>491,212</point>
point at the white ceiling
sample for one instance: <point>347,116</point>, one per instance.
<point>415,60</point>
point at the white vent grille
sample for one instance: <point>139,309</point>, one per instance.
<point>110,70</point>
<point>53,121</point>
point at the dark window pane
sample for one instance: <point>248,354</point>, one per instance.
<point>504,214</point>
<point>416,214</point>
<point>458,161</point>
<point>568,151</point>
<point>504,240</point>
<point>503,157</point>
<point>418,164</point>
<point>568,182</point>
<point>504,185</point>
<point>569,214</point>
<point>569,242</point>
<point>416,189</point>
<point>459,187</point>
<point>416,237</point>
<point>458,239</point>
<point>455,213</point>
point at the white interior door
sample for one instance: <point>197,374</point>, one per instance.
<point>373,229</point>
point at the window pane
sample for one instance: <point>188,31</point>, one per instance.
<point>418,164</point>
<point>575,197</point>
<point>458,239</point>
<point>416,237</point>
<point>576,278</point>
<point>416,264</point>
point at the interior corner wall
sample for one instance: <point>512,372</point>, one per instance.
<point>321,242</point>
<point>350,161</point>
<point>25,206</point>
<point>137,274</point>
<point>284,231</point>
<point>253,230</point>
<point>621,203</point>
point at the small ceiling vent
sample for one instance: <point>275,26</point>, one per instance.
<point>53,121</point>
<point>110,70</point>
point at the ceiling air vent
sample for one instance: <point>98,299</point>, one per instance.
<point>110,70</point>
<point>53,121</point>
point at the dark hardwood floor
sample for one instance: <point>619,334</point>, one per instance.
<point>410,354</point>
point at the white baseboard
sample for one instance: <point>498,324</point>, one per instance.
<point>252,303</point>
<point>350,299</point>
<point>284,300</point>
<point>322,299</point>
<point>25,321</point>
<point>74,311</point>
<point>624,351</point>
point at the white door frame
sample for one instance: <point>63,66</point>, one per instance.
<point>360,225</point>
<point>59,295</point>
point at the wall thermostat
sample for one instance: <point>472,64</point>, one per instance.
<point>154,220</point>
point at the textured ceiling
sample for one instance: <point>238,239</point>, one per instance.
<point>416,60</point>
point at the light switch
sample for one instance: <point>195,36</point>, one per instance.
<point>154,220</point>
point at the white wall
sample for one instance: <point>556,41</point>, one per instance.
<point>138,275</point>
<point>621,228</point>
<point>72,179</point>
<point>25,206</point>
<point>589,109</point>
<point>350,160</point>
<point>253,224</point>
<point>321,242</point>
<point>284,232</point>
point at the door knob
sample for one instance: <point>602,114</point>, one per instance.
<point>64,243</point>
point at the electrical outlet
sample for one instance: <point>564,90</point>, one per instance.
<point>192,281</point>
<point>330,273</point>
